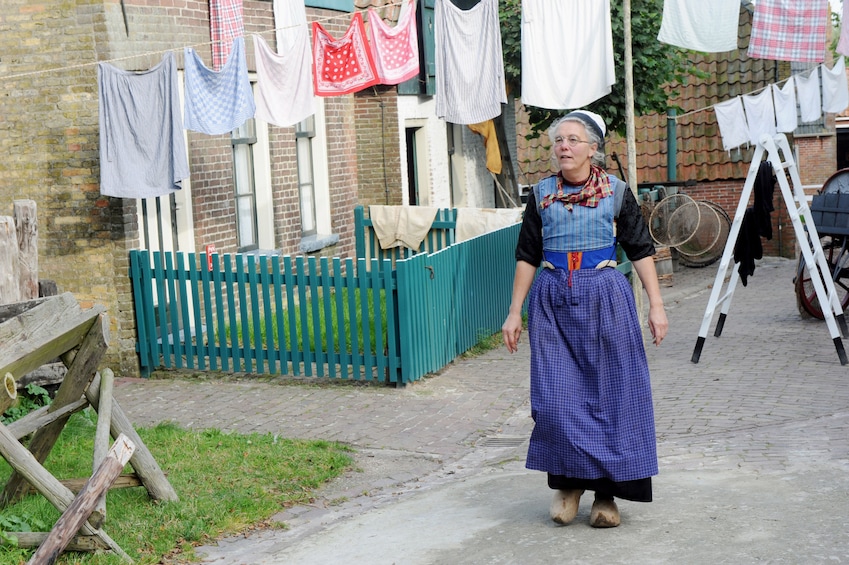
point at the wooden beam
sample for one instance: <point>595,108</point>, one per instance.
<point>128,480</point>
<point>41,417</point>
<point>101,437</point>
<point>9,311</point>
<point>43,333</point>
<point>142,461</point>
<point>26,225</point>
<point>80,374</point>
<point>83,504</point>
<point>77,543</point>
<point>9,392</point>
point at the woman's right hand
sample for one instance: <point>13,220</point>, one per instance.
<point>511,330</point>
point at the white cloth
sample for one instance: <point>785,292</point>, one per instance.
<point>835,88</point>
<point>760,115</point>
<point>732,123</point>
<point>843,42</point>
<point>284,90</point>
<point>784,98</point>
<point>397,226</point>
<point>701,25</point>
<point>142,152</point>
<point>470,84</point>
<point>472,222</point>
<point>808,94</point>
<point>567,53</point>
<point>289,16</point>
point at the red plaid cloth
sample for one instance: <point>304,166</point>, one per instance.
<point>789,30</point>
<point>225,25</point>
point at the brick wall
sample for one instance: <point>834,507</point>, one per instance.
<point>378,159</point>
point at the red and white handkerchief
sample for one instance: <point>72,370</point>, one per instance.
<point>395,50</point>
<point>342,66</point>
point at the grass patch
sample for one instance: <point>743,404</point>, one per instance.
<point>226,484</point>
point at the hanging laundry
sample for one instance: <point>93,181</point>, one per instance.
<point>568,73</point>
<point>395,50</point>
<point>789,30</point>
<point>710,27</point>
<point>284,94</point>
<point>784,99</point>
<point>470,84</point>
<point>808,94</point>
<point>490,140</point>
<point>835,88</point>
<point>342,66</point>
<point>218,102</point>
<point>760,115</point>
<point>732,123</point>
<point>401,226</point>
<point>225,24</point>
<point>290,23</point>
<point>142,152</point>
<point>843,42</point>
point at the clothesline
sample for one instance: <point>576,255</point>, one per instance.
<point>176,49</point>
<point>706,108</point>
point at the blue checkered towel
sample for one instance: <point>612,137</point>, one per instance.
<point>218,102</point>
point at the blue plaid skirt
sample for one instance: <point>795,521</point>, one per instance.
<point>590,390</point>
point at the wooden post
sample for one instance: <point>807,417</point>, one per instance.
<point>9,393</point>
<point>143,462</point>
<point>101,437</point>
<point>10,290</point>
<point>27,232</point>
<point>79,510</point>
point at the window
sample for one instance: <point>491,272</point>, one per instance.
<point>304,137</point>
<point>244,139</point>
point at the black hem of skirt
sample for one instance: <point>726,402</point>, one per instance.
<point>638,490</point>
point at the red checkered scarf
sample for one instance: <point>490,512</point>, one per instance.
<point>789,30</point>
<point>596,188</point>
<point>225,24</point>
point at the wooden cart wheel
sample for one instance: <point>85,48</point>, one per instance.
<point>834,255</point>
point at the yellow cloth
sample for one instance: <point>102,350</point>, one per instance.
<point>490,140</point>
<point>397,226</point>
<point>472,222</point>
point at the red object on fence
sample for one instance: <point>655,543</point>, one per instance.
<point>210,249</point>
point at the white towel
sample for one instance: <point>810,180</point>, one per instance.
<point>760,115</point>
<point>700,25</point>
<point>284,91</point>
<point>397,226</point>
<point>472,222</point>
<point>564,74</point>
<point>808,94</point>
<point>843,42</point>
<point>835,89</point>
<point>786,119</point>
<point>732,123</point>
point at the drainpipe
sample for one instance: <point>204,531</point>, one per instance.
<point>671,146</point>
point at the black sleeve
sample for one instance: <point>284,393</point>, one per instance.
<point>529,246</point>
<point>632,232</point>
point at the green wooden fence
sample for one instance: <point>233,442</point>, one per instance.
<point>389,315</point>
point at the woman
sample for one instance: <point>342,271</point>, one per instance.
<point>590,390</point>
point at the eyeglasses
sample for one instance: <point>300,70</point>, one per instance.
<point>571,141</point>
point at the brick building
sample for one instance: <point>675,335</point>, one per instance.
<point>359,148</point>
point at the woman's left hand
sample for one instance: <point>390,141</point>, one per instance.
<point>658,324</point>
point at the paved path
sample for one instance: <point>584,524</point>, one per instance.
<point>753,444</point>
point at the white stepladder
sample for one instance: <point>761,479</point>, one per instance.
<point>778,154</point>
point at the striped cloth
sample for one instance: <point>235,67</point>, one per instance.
<point>789,30</point>
<point>218,102</point>
<point>225,25</point>
<point>590,391</point>
<point>469,67</point>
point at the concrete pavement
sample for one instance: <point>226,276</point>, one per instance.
<point>753,444</point>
